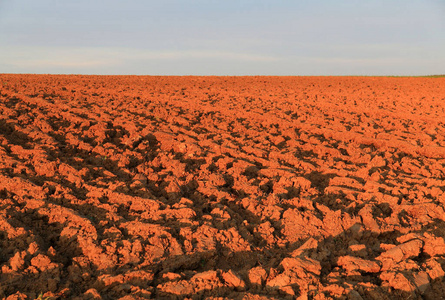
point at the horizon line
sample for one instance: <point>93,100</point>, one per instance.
<point>198,75</point>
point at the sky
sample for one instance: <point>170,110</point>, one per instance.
<point>223,37</point>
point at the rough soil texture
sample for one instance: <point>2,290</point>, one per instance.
<point>127,187</point>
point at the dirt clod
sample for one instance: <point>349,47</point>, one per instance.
<point>134,187</point>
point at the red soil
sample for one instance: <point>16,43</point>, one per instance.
<point>236,187</point>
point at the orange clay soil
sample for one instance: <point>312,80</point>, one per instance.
<point>236,187</point>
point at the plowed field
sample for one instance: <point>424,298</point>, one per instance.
<point>138,187</point>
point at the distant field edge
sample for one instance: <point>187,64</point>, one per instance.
<point>188,75</point>
<point>424,76</point>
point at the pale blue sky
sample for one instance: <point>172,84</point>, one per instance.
<point>223,37</point>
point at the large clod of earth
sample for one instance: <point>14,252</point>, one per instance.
<point>138,187</point>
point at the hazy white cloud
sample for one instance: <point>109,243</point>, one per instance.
<point>357,59</point>
<point>47,57</point>
<point>59,63</point>
<point>140,54</point>
<point>87,57</point>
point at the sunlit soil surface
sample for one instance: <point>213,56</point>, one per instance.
<point>233,187</point>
